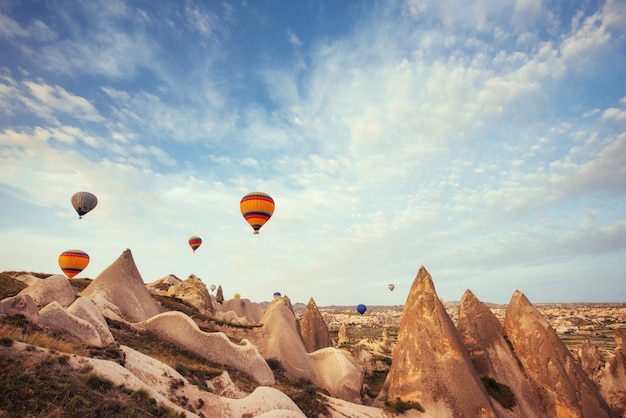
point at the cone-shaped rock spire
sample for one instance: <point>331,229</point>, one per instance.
<point>430,365</point>
<point>120,293</point>
<point>548,362</point>
<point>314,330</point>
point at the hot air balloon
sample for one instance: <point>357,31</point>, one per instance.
<point>361,308</point>
<point>237,296</point>
<point>212,287</point>
<point>73,262</point>
<point>195,242</point>
<point>84,202</point>
<point>391,286</point>
<point>257,208</point>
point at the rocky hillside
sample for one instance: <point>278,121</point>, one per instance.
<point>116,346</point>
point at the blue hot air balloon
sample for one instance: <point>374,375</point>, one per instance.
<point>361,308</point>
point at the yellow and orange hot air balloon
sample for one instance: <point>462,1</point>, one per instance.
<point>195,242</point>
<point>73,262</point>
<point>257,208</point>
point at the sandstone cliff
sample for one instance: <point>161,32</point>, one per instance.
<point>430,365</point>
<point>120,293</point>
<point>482,335</point>
<point>612,379</point>
<point>549,364</point>
<point>195,292</point>
<point>313,328</point>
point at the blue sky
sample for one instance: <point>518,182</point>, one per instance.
<point>485,142</point>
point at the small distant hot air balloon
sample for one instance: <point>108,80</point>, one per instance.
<point>277,294</point>
<point>257,208</point>
<point>212,287</point>
<point>361,308</point>
<point>195,242</point>
<point>391,286</point>
<point>73,262</point>
<point>84,202</point>
<point>237,296</point>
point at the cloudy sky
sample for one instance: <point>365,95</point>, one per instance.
<point>487,143</point>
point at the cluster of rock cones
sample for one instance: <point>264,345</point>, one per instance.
<point>478,368</point>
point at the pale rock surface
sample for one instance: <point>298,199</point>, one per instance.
<point>162,379</point>
<point>340,408</point>
<point>28,279</point>
<point>85,309</point>
<point>244,308</point>
<point>280,339</point>
<point>549,364</point>
<point>343,335</point>
<point>223,385</point>
<point>612,379</point>
<point>591,359</point>
<point>313,328</point>
<point>338,373</point>
<point>233,318</point>
<point>194,292</point>
<point>141,372</point>
<point>482,335</point>
<point>20,305</point>
<point>53,288</point>
<point>430,364</point>
<point>54,315</point>
<point>330,368</point>
<point>181,330</point>
<point>161,286</point>
<point>120,293</point>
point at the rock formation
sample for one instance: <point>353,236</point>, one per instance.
<point>430,365</point>
<point>244,308</point>
<point>329,368</point>
<point>182,331</point>
<point>53,315</point>
<point>161,286</point>
<point>120,293</point>
<point>20,305</point>
<point>343,335</point>
<point>549,364</point>
<point>219,295</point>
<point>54,288</point>
<point>482,335</point>
<point>314,330</point>
<point>194,292</point>
<point>612,379</point>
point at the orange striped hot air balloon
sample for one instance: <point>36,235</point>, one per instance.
<point>257,208</point>
<point>73,262</point>
<point>195,242</point>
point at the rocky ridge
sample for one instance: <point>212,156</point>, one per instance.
<point>441,365</point>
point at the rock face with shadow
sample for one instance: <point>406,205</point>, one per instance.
<point>314,330</point>
<point>120,293</point>
<point>495,363</point>
<point>612,378</point>
<point>329,368</point>
<point>430,365</point>
<point>195,292</point>
<point>547,362</point>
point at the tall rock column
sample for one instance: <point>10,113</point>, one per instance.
<point>429,364</point>
<point>313,328</point>
<point>548,362</point>
<point>482,335</point>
